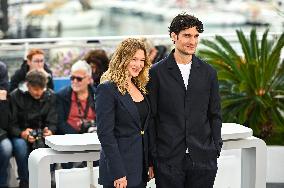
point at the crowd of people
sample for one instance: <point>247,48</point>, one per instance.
<point>155,115</point>
<point>31,110</point>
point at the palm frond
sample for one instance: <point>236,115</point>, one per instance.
<point>254,45</point>
<point>245,46</point>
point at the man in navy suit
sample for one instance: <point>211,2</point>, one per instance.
<point>186,119</point>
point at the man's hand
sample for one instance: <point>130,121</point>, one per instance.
<point>3,95</point>
<point>151,174</point>
<point>120,183</point>
<point>46,132</point>
<point>26,135</point>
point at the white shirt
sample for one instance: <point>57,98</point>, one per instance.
<point>185,72</point>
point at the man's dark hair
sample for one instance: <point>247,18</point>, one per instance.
<point>184,21</point>
<point>36,78</point>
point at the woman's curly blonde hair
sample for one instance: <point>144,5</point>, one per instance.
<point>117,71</point>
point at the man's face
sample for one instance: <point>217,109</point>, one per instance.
<point>37,62</point>
<point>80,81</point>
<point>186,41</point>
<point>35,91</point>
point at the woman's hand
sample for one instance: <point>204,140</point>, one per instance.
<point>120,183</point>
<point>151,174</point>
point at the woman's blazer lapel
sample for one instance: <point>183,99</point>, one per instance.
<point>130,107</point>
<point>129,104</point>
<point>149,112</point>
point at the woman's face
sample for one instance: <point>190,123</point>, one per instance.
<point>37,62</point>
<point>136,64</point>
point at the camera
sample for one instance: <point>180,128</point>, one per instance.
<point>39,139</point>
<point>88,126</point>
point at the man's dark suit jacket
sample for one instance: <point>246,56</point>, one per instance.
<point>184,118</point>
<point>119,131</point>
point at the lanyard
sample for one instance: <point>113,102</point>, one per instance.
<point>80,107</point>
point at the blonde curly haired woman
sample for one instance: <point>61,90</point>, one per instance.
<point>123,113</point>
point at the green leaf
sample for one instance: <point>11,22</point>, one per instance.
<point>254,45</point>
<point>245,46</point>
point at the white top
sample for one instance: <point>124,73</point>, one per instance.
<point>185,72</point>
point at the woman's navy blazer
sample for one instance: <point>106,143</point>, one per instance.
<point>121,135</point>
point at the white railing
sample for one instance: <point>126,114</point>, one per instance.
<point>49,43</point>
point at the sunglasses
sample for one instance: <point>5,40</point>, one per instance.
<point>78,78</point>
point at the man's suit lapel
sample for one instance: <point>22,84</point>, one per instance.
<point>174,70</point>
<point>194,73</point>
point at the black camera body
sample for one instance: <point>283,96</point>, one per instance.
<point>88,126</point>
<point>39,139</point>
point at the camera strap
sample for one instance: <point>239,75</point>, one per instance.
<point>80,107</point>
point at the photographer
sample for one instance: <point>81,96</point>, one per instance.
<point>75,103</point>
<point>33,117</point>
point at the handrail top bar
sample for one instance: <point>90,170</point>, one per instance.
<point>105,38</point>
<point>101,38</point>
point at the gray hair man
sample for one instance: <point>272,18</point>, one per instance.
<point>75,103</point>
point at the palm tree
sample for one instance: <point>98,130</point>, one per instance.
<point>251,83</point>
